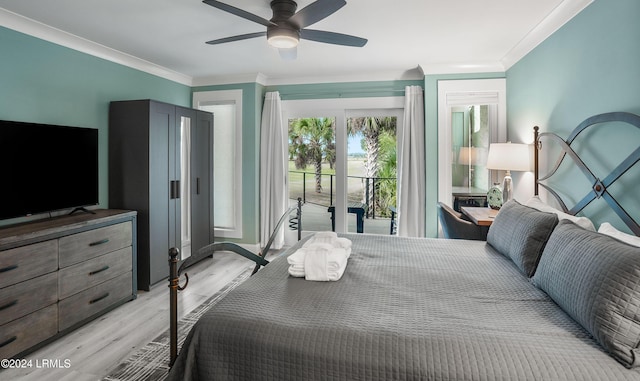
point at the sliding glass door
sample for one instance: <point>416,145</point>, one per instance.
<point>342,162</point>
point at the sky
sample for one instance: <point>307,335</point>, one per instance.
<point>354,145</point>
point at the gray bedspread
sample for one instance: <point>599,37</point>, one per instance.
<point>405,309</point>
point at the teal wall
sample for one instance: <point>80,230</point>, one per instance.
<point>590,66</point>
<point>431,140</point>
<point>43,82</point>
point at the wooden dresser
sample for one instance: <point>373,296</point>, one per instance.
<point>59,273</point>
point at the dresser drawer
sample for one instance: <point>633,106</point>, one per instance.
<point>89,302</point>
<point>25,297</point>
<point>84,275</point>
<point>26,262</point>
<point>32,329</point>
<point>82,246</point>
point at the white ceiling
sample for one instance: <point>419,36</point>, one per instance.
<point>167,37</point>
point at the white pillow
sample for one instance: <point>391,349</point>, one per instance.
<point>608,229</point>
<point>583,222</point>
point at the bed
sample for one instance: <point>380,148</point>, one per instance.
<point>542,299</point>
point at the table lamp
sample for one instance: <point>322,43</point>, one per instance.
<point>508,157</point>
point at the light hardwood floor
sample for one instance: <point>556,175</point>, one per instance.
<point>98,347</point>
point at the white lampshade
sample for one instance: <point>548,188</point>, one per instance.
<point>509,157</point>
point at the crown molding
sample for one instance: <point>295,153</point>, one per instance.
<point>462,68</point>
<point>559,16</point>
<point>258,78</point>
<point>44,32</point>
<point>264,80</point>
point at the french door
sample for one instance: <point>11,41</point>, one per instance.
<point>335,179</point>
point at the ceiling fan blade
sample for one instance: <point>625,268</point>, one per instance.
<point>237,38</point>
<point>332,38</point>
<point>239,12</point>
<point>288,54</point>
<point>315,12</point>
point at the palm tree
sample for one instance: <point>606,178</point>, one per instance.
<point>311,142</point>
<point>386,189</point>
<point>371,129</point>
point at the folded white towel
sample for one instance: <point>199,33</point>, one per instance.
<point>338,242</point>
<point>296,273</point>
<point>296,262</point>
<point>324,262</point>
<point>345,244</point>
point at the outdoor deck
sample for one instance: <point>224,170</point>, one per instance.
<point>317,218</point>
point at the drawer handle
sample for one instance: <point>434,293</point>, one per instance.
<point>99,271</point>
<point>99,298</point>
<point>99,242</point>
<point>8,268</point>
<point>10,304</point>
<point>11,340</point>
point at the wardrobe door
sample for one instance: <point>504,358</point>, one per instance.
<point>163,174</point>
<point>202,181</point>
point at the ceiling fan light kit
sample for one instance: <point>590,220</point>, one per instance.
<point>283,38</point>
<point>287,27</point>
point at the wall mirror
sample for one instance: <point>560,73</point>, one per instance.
<point>471,115</point>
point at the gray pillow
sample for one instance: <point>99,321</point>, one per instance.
<point>596,280</point>
<point>520,233</point>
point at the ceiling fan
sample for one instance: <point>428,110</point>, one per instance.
<point>286,27</point>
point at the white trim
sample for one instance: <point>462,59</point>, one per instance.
<point>258,78</point>
<point>47,33</point>
<point>559,16</point>
<point>455,93</point>
<point>462,68</point>
<point>413,74</point>
<point>262,79</point>
<point>204,98</point>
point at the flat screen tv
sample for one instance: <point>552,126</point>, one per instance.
<point>45,168</point>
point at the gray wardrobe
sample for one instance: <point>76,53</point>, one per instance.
<point>161,165</point>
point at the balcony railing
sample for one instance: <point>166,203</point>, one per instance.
<point>359,189</point>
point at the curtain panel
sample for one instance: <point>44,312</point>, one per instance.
<point>411,166</point>
<point>273,169</point>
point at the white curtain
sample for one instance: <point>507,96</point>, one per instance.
<point>273,169</point>
<point>411,166</point>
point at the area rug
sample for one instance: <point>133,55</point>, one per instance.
<point>151,362</point>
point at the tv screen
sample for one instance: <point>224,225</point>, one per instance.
<point>45,168</point>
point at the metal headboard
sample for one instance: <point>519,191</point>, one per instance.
<point>599,187</point>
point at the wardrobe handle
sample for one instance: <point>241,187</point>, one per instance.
<point>174,188</point>
<point>197,185</point>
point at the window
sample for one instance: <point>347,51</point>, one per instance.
<point>226,107</point>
